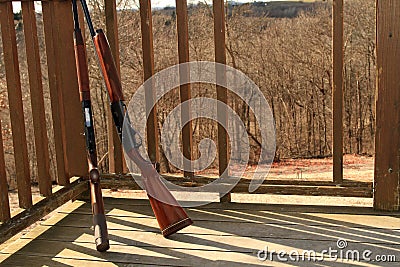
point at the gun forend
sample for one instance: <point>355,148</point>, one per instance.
<point>81,66</point>
<point>108,68</point>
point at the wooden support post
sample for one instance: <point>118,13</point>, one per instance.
<point>4,201</point>
<point>50,31</point>
<point>37,100</point>
<point>67,117</point>
<point>70,107</point>
<point>184,90</point>
<point>222,94</point>
<point>387,141</point>
<point>337,91</point>
<point>115,154</point>
<point>15,105</point>
<point>148,72</point>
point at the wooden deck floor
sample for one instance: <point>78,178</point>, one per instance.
<point>223,234</point>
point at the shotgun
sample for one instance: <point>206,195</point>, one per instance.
<point>99,218</point>
<point>171,217</point>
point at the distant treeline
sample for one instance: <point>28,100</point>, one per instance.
<point>276,9</point>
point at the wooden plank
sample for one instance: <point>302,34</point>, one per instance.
<point>207,180</point>
<point>36,95</point>
<point>224,223</point>
<point>79,255</point>
<point>115,153</point>
<point>263,189</point>
<point>367,218</point>
<point>222,94</point>
<point>50,31</point>
<point>387,142</point>
<point>148,72</point>
<point>15,105</point>
<point>41,208</point>
<point>70,107</point>
<point>337,91</point>
<point>184,90</point>
<point>204,217</point>
<point>147,228</point>
<point>141,204</point>
<point>39,229</point>
<point>4,202</point>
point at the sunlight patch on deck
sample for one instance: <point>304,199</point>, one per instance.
<point>302,200</point>
<point>122,248</point>
<point>69,257</point>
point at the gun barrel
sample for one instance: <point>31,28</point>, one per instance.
<point>88,19</point>
<point>99,218</point>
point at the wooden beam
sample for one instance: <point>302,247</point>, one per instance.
<point>242,187</point>
<point>148,72</point>
<point>4,201</point>
<point>42,208</point>
<point>184,90</point>
<point>50,30</point>
<point>387,141</point>
<point>15,105</point>
<point>337,90</point>
<point>115,154</point>
<point>37,98</point>
<point>206,180</point>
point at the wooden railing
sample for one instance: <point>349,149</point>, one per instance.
<point>65,112</point>
<point>67,118</point>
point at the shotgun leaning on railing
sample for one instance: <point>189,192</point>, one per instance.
<point>170,215</point>
<point>99,218</point>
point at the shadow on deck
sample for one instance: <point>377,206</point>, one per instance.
<point>228,234</point>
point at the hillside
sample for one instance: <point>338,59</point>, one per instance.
<point>276,9</point>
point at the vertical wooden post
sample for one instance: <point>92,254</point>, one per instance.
<point>15,104</point>
<point>337,91</point>
<point>50,30</point>
<point>115,155</point>
<point>37,101</point>
<point>148,71</point>
<point>69,103</point>
<point>4,202</point>
<point>184,90</point>
<point>387,141</point>
<point>222,94</point>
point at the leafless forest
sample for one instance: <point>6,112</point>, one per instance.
<point>288,58</point>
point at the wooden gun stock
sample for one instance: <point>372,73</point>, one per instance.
<point>99,218</point>
<point>171,218</point>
